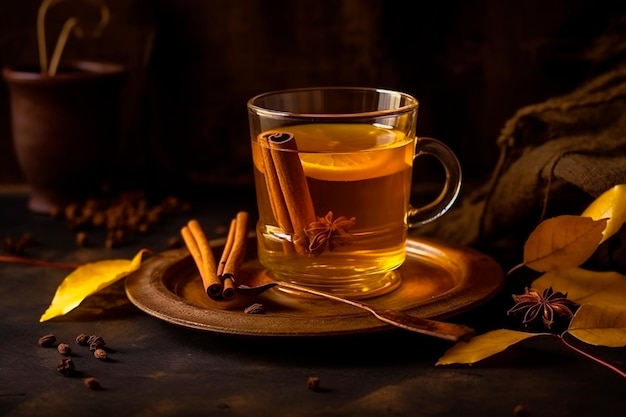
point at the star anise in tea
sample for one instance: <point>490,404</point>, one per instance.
<point>329,233</point>
<point>549,306</point>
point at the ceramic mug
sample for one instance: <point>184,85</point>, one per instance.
<point>333,180</point>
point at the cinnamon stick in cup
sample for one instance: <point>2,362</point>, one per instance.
<point>292,185</point>
<point>277,200</point>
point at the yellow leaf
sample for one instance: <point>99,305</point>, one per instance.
<point>562,242</point>
<point>86,280</point>
<point>600,325</point>
<point>586,287</point>
<point>483,346</point>
<point>609,205</point>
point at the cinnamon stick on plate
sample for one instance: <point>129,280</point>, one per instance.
<point>288,188</point>
<point>218,279</point>
<point>234,253</point>
<point>198,245</point>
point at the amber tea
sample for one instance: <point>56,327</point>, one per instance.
<point>358,177</point>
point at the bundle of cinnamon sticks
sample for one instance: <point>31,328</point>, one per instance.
<point>292,207</point>
<point>218,279</point>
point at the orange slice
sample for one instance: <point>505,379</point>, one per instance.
<point>347,152</point>
<point>350,166</point>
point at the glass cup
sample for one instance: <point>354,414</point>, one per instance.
<point>333,177</point>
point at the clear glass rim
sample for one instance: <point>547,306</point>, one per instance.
<point>411,104</point>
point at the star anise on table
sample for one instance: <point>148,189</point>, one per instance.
<point>326,232</point>
<point>549,305</point>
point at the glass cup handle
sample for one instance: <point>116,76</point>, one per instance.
<point>417,216</point>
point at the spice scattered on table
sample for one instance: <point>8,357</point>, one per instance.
<point>550,307</point>
<point>16,245</point>
<point>82,339</point>
<point>82,239</point>
<point>122,217</point>
<point>47,340</point>
<point>313,383</point>
<point>100,354</point>
<point>92,383</point>
<point>66,367</point>
<point>64,349</point>
<point>95,342</point>
<point>521,411</point>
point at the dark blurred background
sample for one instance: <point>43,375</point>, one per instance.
<point>195,63</point>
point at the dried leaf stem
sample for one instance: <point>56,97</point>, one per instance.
<point>590,356</point>
<point>37,262</point>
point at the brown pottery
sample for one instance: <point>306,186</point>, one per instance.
<point>65,128</point>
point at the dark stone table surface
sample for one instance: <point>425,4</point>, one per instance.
<point>159,369</point>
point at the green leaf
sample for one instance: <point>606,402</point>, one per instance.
<point>600,325</point>
<point>86,280</point>
<point>609,205</point>
<point>586,287</point>
<point>483,346</point>
<point>562,242</point>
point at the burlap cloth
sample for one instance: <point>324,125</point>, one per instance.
<point>556,157</point>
